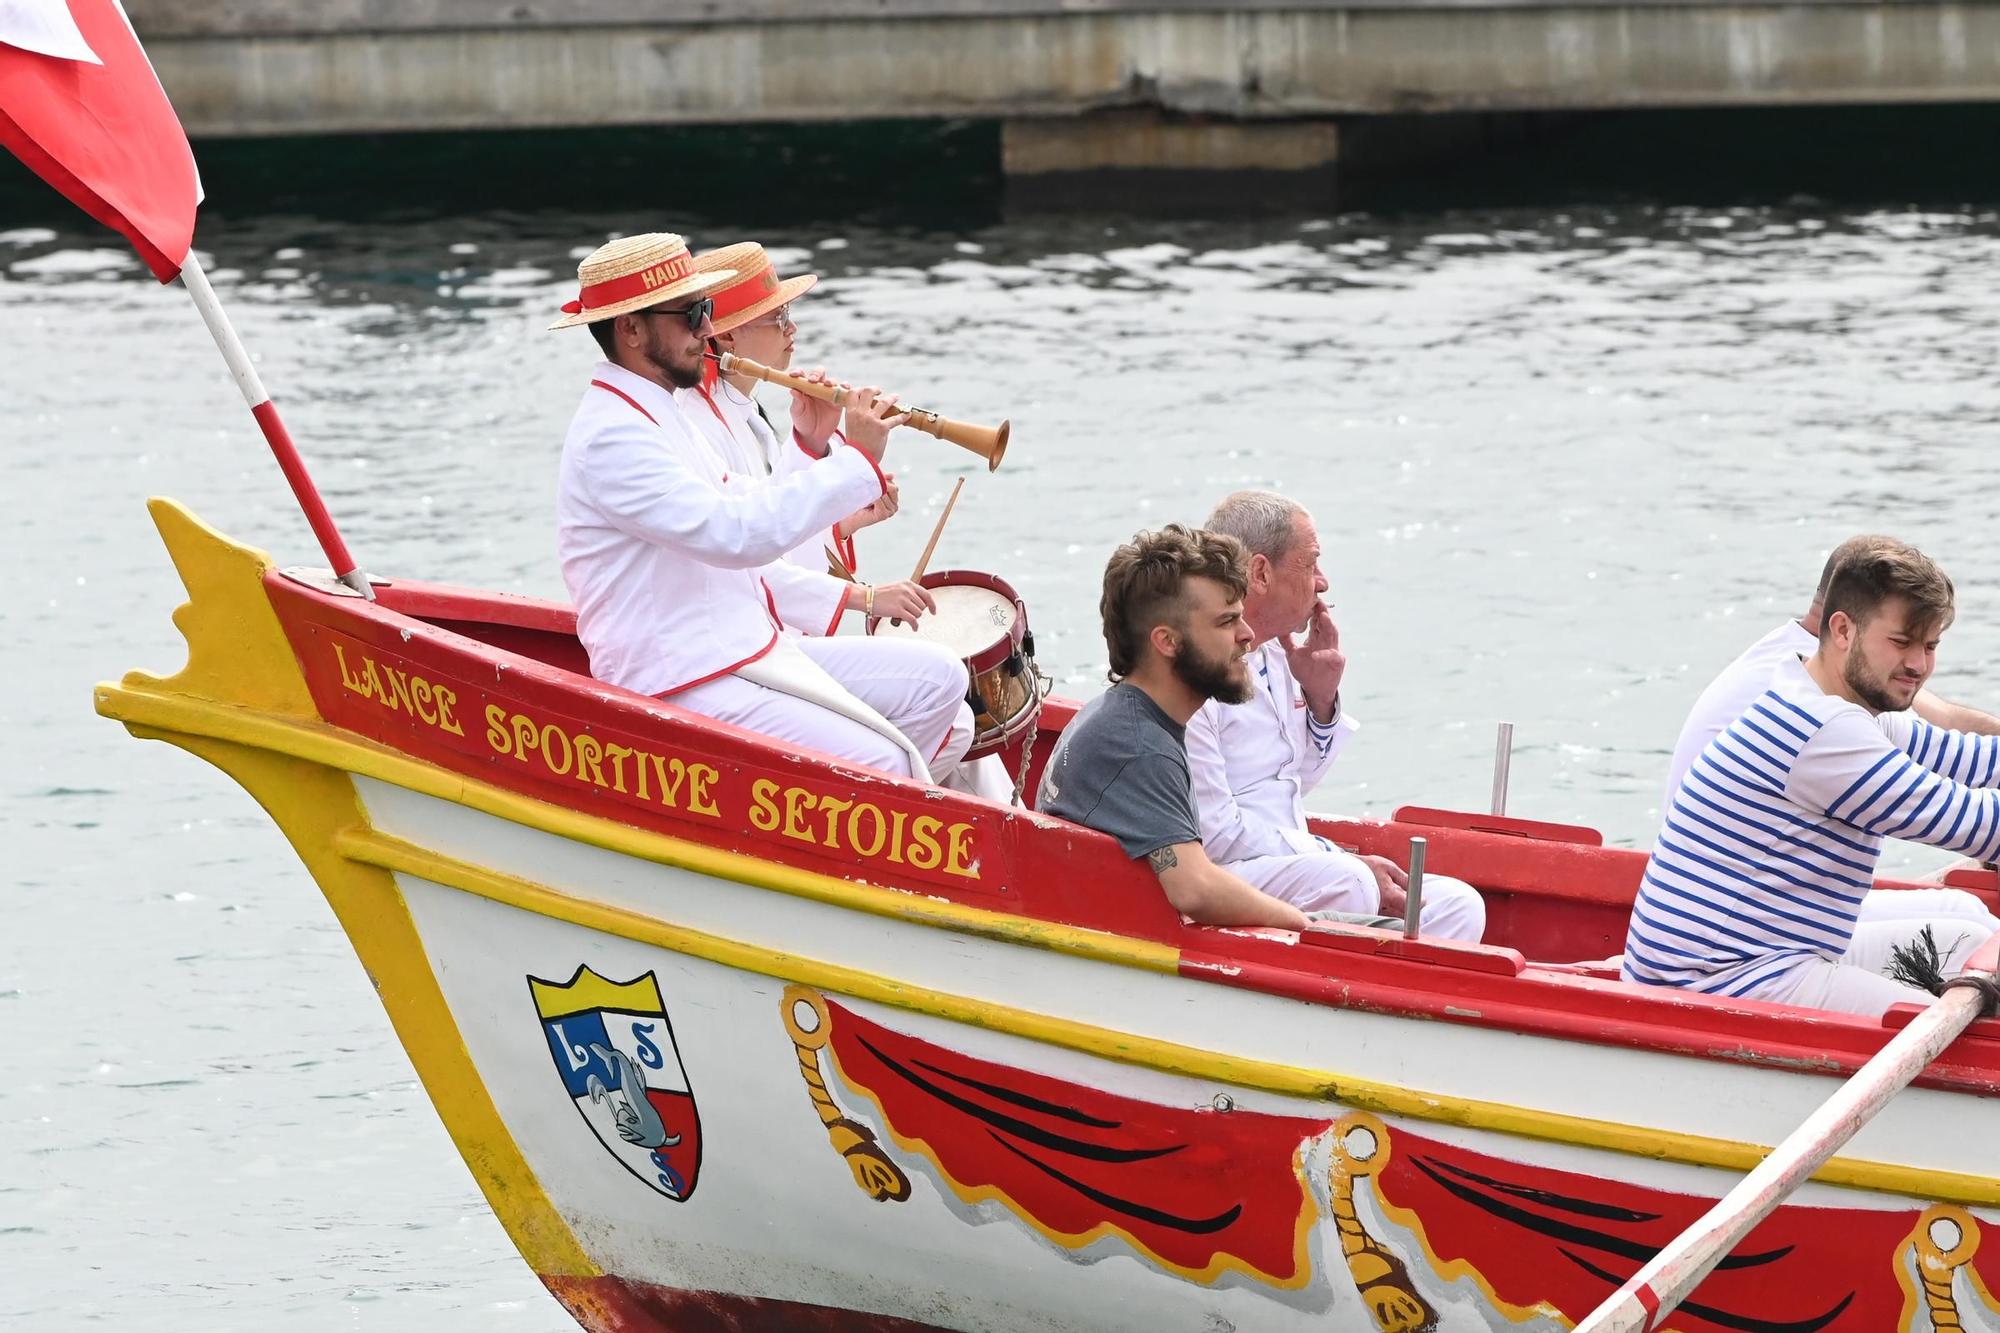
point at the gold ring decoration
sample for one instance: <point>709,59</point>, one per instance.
<point>1946,1239</point>
<point>1361,1148</point>
<point>809,1025</point>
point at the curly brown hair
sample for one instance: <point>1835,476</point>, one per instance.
<point>1145,584</point>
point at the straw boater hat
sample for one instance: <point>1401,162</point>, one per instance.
<point>634,272</point>
<point>755,290</point>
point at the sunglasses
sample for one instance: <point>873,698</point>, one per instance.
<point>696,314</point>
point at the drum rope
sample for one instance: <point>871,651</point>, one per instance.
<point>1042,687</point>
<point>1027,762</point>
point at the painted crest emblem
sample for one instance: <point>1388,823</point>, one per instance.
<point>614,1049</point>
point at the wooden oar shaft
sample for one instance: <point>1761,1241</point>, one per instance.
<point>924,560</point>
<point>1672,1275</point>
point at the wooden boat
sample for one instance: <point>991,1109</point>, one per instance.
<point>736,1037</point>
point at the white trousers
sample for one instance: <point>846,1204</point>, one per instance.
<point>1858,983</point>
<point>1933,906</point>
<point>919,687</point>
<point>1925,905</point>
<point>1339,881</point>
<point>984,777</point>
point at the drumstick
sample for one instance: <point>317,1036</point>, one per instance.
<point>924,560</point>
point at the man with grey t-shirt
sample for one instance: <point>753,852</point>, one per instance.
<point>1121,768</point>
<point>1173,624</point>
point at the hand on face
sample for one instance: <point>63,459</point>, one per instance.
<point>1317,664</point>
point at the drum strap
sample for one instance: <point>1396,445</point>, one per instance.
<point>788,670</point>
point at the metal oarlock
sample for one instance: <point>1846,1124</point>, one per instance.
<point>1415,907</point>
<point>1503,759</point>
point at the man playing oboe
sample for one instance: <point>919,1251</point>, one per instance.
<point>673,569</point>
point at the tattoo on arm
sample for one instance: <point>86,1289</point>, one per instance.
<point>1162,860</point>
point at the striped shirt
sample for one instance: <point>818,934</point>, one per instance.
<point>1770,840</point>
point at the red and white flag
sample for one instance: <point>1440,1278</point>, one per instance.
<point>80,104</point>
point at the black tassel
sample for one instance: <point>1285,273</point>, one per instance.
<point>1920,963</point>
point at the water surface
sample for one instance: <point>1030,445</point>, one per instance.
<point>1565,465</point>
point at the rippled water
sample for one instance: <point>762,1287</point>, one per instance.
<point>1564,465</point>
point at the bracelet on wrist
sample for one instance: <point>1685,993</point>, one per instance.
<point>868,602</point>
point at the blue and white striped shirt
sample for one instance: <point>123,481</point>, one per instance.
<point>1772,837</point>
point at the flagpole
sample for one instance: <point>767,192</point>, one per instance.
<point>275,434</point>
<point>1671,1275</point>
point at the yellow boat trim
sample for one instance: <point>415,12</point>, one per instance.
<point>319,743</point>
<point>237,651</point>
<point>298,768</point>
<point>390,853</point>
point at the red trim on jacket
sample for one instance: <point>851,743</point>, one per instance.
<point>702,389</point>
<point>717,675</point>
<point>880,480</point>
<point>612,388</point>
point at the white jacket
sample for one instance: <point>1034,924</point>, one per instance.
<point>1254,762</point>
<point>668,563</point>
<point>810,600</point>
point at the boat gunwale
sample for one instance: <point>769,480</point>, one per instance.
<point>1532,1001</point>
<point>389,852</point>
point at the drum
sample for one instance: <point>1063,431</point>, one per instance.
<point>980,619</point>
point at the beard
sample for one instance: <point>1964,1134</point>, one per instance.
<point>1871,689</point>
<point>1224,678</point>
<point>681,374</point>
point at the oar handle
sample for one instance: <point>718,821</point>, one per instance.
<point>1672,1275</point>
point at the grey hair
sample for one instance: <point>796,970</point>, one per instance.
<point>1264,521</point>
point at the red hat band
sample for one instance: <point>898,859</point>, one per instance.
<point>612,291</point>
<point>744,294</point>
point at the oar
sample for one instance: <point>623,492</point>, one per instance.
<point>1674,1273</point>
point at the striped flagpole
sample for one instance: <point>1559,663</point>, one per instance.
<point>1673,1274</point>
<point>275,434</point>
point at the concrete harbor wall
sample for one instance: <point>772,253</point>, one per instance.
<point>1254,83</point>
